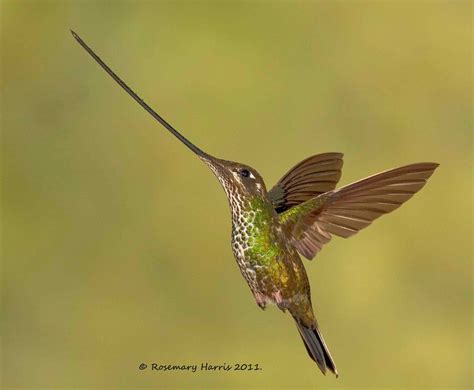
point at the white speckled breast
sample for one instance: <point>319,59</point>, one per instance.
<point>243,229</point>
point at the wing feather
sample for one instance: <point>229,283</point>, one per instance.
<point>309,178</point>
<point>346,211</point>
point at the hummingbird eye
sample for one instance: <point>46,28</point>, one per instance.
<point>244,173</point>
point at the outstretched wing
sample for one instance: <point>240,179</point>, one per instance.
<point>345,211</point>
<point>311,177</point>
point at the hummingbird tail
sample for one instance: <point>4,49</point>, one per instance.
<point>316,347</point>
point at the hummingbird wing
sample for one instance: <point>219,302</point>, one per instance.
<point>345,211</point>
<point>309,178</point>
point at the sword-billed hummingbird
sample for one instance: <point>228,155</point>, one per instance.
<point>296,216</point>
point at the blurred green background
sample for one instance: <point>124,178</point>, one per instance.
<point>116,238</point>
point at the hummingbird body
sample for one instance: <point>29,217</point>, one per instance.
<point>270,265</point>
<point>297,216</point>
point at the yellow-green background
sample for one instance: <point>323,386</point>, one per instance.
<point>116,238</point>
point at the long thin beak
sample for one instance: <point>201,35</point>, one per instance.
<point>140,101</point>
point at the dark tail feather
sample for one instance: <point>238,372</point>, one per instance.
<point>317,348</point>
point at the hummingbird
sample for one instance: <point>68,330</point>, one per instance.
<point>297,216</point>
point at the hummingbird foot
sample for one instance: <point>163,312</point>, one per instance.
<point>261,300</point>
<point>279,300</point>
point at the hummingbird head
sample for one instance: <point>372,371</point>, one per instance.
<point>236,178</point>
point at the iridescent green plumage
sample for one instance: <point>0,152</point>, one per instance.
<point>298,215</point>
